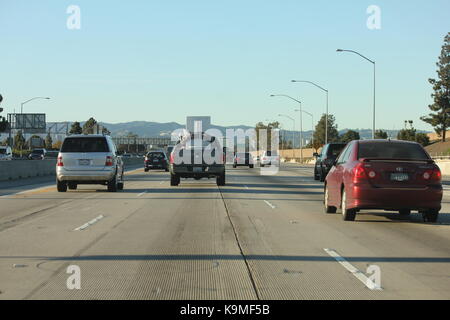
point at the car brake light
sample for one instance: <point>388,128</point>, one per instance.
<point>60,162</point>
<point>171,160</point>
<point>359,173</point>
<point>437,175</point>
<point>109,161</point>
<point>432,175</point>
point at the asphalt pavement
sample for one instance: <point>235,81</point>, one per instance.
<point>258,237</point>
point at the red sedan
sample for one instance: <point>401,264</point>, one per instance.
<point>384,174</point>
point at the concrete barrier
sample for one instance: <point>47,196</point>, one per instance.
<point>22,169</point>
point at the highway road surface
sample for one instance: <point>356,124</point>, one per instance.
<point>258,237</point>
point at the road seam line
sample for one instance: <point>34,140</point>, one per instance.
<point>241,250</point>
<point>353,270</point>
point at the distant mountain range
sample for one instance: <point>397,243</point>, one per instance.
<point>156,129</point>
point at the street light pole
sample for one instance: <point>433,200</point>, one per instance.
<point>21,105</point>
<point>301,126</point>
<point>374,84</point>
<point>293,132</point>
<point>312,124</point>
<point>326,113</point>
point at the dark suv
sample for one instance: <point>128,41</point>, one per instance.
<point>197,156</point>
<point>156,160</point>
<point>326,158</point>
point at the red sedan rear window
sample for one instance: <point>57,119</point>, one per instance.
<point>392,150</point>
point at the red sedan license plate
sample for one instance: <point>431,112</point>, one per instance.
<point>399,177</point>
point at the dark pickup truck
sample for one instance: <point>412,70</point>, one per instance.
<point>197,156</point>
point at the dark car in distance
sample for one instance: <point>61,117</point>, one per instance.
<point>382,174</point>
<point>326,158</point>
<point>37,154</point>
<point>156,160</point>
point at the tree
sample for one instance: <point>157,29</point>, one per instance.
<point>57,145</point>
<point>407,134</point>
<point>423,139</point>
<point>269,127</point>
<point>92,126</point>
<point>48,141</point>
<point>19,140</point>
<point>439,118</point>
<point>105,131</point>
<point>76,128</point>
<point>88,127</point>
<point>380,134</point>
<point>350,135</point>
<point>319,132</point>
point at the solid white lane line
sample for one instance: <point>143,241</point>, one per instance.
<point>269,204</point>
<point>141,194</point>
<point>87,224</point>
<point>353,270</point>
<point>161,182</point>
<point>246,187</point>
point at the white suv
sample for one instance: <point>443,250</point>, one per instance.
<point>89,159</point>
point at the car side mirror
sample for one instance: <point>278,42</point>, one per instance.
<point>315,154</point>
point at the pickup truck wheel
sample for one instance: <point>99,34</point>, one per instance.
<point>174,180</point>
<point>251,166</point>
<point>112,185</point>
<point>430,215</point>
<point>120,186</point>
<point>61,186</point>
<point>146,169</point>
<point>220,180</point>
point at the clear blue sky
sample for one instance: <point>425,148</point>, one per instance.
<point>163,60</point>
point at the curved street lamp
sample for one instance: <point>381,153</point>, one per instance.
<point>35,98</point>
<point>293,131</point>
<point>301,125</point>
<point>326,112</point>
<point>374,84</point>
<point>312,124</point>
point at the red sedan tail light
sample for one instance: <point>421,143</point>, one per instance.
<point>434,175</point>
<point>360,173</point>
